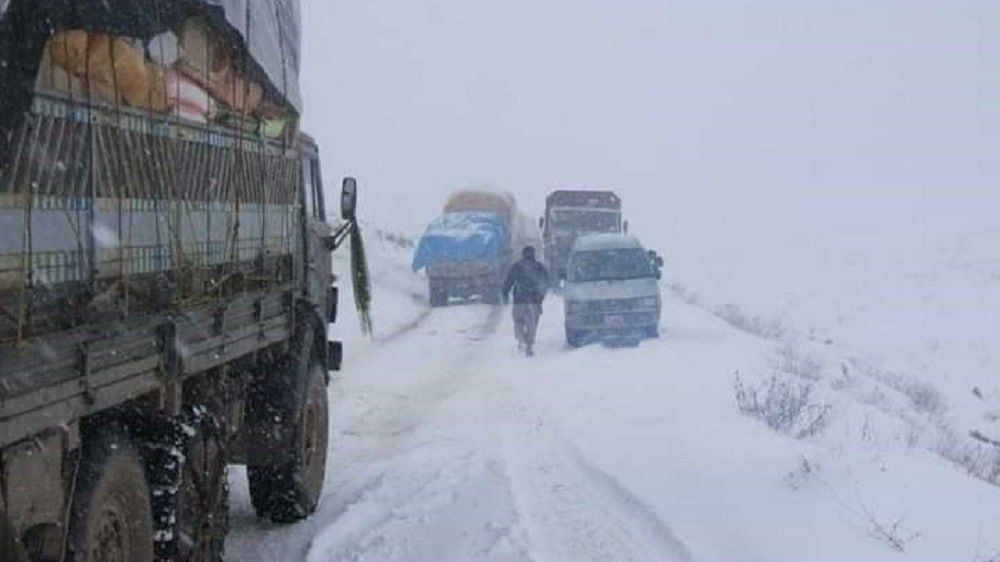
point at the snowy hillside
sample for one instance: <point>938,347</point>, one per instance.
<point>448,446</point>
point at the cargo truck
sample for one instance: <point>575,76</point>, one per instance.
<point>569,214</point>
<point>165,277</point>
<point>467,250</point>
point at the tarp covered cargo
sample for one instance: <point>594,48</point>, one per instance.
<point>265,34</point>
<point>456,237</point>
<point>482,200</point>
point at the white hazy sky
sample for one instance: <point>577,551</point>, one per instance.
<point>810,119</point>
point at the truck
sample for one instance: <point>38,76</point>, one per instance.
<point>165,277</point>
<point>467,250</point>
<point>568,214</point>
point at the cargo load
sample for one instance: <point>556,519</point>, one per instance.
<point>461,237</point>
<point>243,53</point>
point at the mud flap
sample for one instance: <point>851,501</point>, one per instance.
<point>334,355</point>
<point>10,547</point>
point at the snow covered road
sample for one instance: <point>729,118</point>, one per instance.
<point>446,446</point>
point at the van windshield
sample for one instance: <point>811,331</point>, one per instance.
<point>609,265</point>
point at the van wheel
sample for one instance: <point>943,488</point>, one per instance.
<point>186,465</point>
<point>111,518</point>
<point>289,491</point>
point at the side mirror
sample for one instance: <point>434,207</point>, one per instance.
<point>349,199</point>
<point>541,223</point>
<point>625,227</point>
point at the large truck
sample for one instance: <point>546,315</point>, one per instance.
<point>569,214</point>
<point>467,250</point>
<point>165,277</point>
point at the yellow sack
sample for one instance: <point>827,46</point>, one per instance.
<point>158,99</point>
<point>202,57</point>
<point>53,77</point>
<point>69,49</point>
<point>117,70</point>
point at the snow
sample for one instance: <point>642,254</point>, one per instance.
<point>594,242</point>
<point>448,446</point>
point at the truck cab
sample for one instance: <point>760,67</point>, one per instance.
<point>611,291</point>
<point>569,214</point>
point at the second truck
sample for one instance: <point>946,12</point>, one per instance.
<point>571,213</point>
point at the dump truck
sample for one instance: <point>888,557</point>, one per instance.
<point>165,277</point>
<point>466,251</point>
<point>569,214</point>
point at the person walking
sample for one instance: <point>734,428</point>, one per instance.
<point>529,281</point>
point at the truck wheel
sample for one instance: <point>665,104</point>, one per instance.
<point>10,547</point>
<point>111,515</point>
<point>438,296</point>
<point>290,491</point>
<point>186,467</point>
<point>574,338</point>
<point>492,295</point>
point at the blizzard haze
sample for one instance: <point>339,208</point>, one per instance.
<point>821,118</point>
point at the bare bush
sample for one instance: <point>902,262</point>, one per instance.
<point>686,295</point>
<point>893,533</point>
<point>784,405</point>
<point>394,239</point>
<point>924,396</point>
<point>751,324</point>
<point>789,358</point>
<point>980,459</point>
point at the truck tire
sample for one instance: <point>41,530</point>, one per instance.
<point>10,547</point>
<point>111,516</point>
<point>574,338</point>
<point>186,468</point>
<point>492,295</point>
<point>288,490</point>
<point>438,295</point>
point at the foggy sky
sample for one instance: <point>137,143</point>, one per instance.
<point>821,118</point>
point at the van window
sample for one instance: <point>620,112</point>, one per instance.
<point>609,265</point>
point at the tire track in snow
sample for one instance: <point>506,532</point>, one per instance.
<point>358,471</point>
<point>386,438</point>
<point>573,511</point>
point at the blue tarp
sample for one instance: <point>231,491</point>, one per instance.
<point>461,237</point>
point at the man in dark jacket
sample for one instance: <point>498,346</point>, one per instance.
<point>529,282</point>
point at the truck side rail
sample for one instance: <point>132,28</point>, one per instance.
<point>61,377</point>
<point>111,212</point>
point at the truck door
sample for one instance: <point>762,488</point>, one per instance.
<point>318,267</point>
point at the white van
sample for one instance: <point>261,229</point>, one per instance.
<point>612,290</point>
